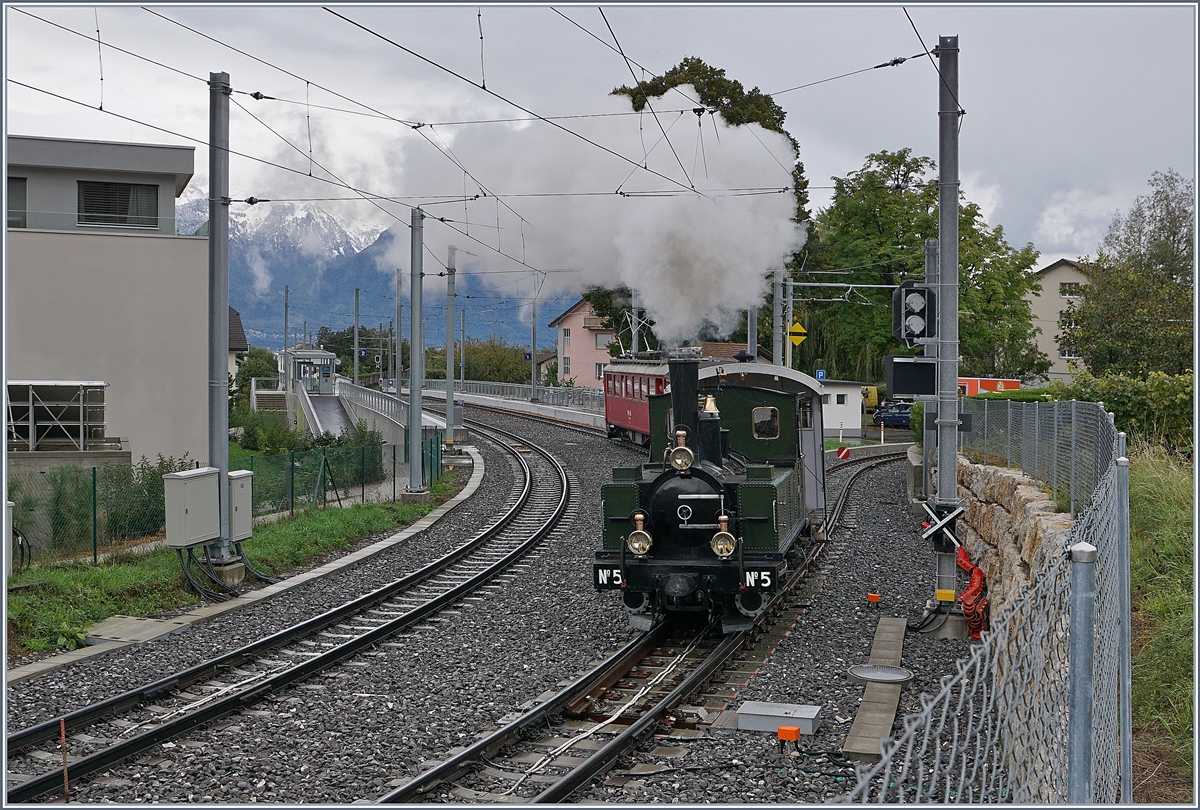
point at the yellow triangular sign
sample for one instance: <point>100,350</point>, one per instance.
<point>797,334</point>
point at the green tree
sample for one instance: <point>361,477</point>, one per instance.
<point>1135,315</point>
<point>260,362</point>
<point>718,93</point>
<point>873,232</point>
<point>496,361</point>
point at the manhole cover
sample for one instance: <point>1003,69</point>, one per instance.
<point>880,673</point>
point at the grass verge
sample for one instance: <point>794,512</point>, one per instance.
<point>1161,506</point>
<point>51,605</point>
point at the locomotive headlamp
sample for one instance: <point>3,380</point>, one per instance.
<point>639,541</point>
<point>681,457</point>
<point>723,543</point>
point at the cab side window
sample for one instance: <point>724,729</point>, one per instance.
<point>765,422</point>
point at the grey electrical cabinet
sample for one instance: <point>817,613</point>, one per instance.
<point>241,505</point>
<point>193,508</point>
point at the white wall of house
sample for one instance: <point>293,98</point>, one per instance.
<point>124,304</point>
<point>1047,308</point>
<point>129,310</point>
<point>841,408</point>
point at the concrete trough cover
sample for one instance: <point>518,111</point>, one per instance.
<point>880,673</point>
<point>754,715</point>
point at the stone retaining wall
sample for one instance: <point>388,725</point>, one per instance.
<point>1010,527</point>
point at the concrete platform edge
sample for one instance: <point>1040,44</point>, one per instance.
<point>206,612</point>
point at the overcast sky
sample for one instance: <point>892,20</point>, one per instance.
<point>1068,109</point>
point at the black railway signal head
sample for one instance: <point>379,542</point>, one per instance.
<point>914,313</point>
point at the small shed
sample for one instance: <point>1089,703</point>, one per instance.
<point>312,368</point>
<point>842,408</point>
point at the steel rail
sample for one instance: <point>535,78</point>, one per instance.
<point>104,758</point>
<point>131,699</point>
<point>624,659</point>
<point>605,757</point>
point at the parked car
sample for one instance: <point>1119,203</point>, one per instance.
<point>894,416</point>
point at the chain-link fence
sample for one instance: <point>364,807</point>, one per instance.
<point>999,729</point>
<point>71,511</point>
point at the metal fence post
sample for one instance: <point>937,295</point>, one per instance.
<point>1037,430</point>
<point>985,432</point>
<point>291,482</point>
<point>1079,720</point>
<point>393,473</point>
<point>1125,629</point>
<point>1008,438</point>
<point>95,523</point>
<point>362,472</point>
<point>1054,458</point>
<point>1074,432</point>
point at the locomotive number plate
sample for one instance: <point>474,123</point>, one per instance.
<point>608,576</point>
<point>759,579</point>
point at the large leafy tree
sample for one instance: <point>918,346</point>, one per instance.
<point>1135,316</point>
<point>873,232</point>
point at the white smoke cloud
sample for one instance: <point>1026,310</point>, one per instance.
<point>262,276</point>
<point>692,256</point>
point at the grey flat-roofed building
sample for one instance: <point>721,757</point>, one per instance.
<point>101,288</point>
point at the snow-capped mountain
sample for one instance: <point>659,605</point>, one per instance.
<point>322,258</point>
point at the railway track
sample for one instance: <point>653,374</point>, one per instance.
<point>111,731</point>
<point>610,710</point>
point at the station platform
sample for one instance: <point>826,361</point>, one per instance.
<point>595,420</point>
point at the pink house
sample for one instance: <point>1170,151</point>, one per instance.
<point>582,345</point>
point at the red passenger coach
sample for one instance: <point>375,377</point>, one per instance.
<point>628,385</point>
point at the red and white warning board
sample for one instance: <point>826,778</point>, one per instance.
<point>843,452</point>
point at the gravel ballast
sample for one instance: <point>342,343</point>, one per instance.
<point>379,719</point>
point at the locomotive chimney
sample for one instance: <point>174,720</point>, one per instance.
<point>685,388</point>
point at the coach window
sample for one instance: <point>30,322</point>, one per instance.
<point>766,423</point>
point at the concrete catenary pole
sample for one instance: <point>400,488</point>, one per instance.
<point>462,345</point>
<point>533,397</point>
<point>777,321</point>
<point>929,426</point>
<point>356,335</point>
<point>287,363</point>
<point>218,302</point>
<point>416,354</point>
<point>947,362</point>
<point>450,420</point>
<point>789,318</point>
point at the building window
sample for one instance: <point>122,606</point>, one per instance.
<point>599,371</point>
<point>566,367</point>
<point>566,337</point>
<point>1065,350</point>
<point>1069,289</point>
<point>824,399</point>
<point>841,399</point>
<point>18,215</point>
<point>603,339</point>
<point>122,204</point>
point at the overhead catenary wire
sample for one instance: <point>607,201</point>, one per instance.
<point>633,75</point>
<point>961,111</point>
<point>413,125</point>
<point>496,95</point>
